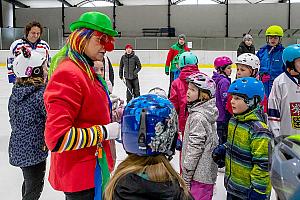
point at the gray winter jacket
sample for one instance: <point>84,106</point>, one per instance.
<point>200,138</point>
<point>131,65</point>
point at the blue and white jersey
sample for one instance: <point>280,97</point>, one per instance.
<point>15,49</point>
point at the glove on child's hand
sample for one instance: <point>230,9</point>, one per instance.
<point>265,78</point>
<point>253,195</point>
<point>218,155</point>
<point>178,145</point>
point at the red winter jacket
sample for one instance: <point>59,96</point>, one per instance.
<point>72,99</point>
<point>178,94</point>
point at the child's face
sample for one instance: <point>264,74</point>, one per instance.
<point>192,93</point>
<point>243,71</point>
<point>238,104</point>
<point>297,64</point>
<point>99,68</point>
<point>228,70</point>
<point>273,40</point>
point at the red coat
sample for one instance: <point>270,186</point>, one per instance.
<point>178,94</point>
<point>72,99</point>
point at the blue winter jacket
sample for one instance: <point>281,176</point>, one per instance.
<point>270,63</point>
<point>27,119</point>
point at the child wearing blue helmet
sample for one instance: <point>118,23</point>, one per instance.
<point>246,163</point>
<point>284,99</point>
<point>149,133</point>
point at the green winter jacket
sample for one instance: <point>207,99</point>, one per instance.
<point>247,155</point>
<point>174,50</point>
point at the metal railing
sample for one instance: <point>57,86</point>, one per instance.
<point>56,40</point>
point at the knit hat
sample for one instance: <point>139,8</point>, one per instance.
<point>247,37</point>
<point>128,46</point>
<point>181,36</point>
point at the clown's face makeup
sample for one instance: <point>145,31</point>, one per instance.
<point>94,50</point>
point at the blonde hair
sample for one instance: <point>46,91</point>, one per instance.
<point>204,96</point>
<point>157,168</point>
<point>27,81</point>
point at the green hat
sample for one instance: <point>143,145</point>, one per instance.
<point>95,21</point>
<point>181,36</point>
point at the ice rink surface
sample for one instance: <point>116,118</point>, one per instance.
<point>11,177</point>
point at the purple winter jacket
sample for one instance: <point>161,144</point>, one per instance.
<point>222,83</point>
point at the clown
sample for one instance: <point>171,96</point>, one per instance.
<point>78,111</point>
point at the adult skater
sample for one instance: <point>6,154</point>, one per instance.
<point>178,48</point>
<point>32,41</point>
<point>78,111</point>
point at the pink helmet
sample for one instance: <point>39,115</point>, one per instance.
<point>222,61</point>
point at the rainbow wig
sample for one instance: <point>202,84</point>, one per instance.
<point>74,49</point>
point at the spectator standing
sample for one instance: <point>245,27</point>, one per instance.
<point>130,65</point>
<point>246,46</point>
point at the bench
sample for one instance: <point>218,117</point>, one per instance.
<point>167,32</point>
<point>151,31</point>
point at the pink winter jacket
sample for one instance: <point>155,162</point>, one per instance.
<point>179,88</point>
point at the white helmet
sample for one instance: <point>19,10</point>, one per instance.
<point>28,63</point>
<point>159,91</point>
<point>249,59</point>
<point>203,82</point>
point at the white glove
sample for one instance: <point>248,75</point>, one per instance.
<point>113,130</point>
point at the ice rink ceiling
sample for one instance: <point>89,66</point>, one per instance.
<point>95,3</point>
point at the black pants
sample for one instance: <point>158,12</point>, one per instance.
<point>133,88</point>
<point>82,195</point>
<point>171,80</point>
<point>232,197</point>
<point>222,131</point>
<point>33,183</point>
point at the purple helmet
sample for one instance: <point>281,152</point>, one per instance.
<point>222,61</point>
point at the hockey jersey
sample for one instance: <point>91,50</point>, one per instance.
<point>284,106</point>
<point>15,49</point>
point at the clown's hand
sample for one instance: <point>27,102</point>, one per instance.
<point>112,130</point>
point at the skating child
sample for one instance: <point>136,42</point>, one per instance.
<point>246,164</point>
<point>117,104</point>
<point>270,56</point>
<point>198,168</point>
<point>149,132</point>
<point>188,63</point>
<point>248,66</point>
<point>27,114</point>
<point>221,77</point>
<point>284,99</point>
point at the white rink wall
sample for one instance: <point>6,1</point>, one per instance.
<point>150,58</point>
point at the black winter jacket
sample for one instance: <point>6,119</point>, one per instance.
<point>131,65</point>
<point>243,48</point>
<point>134,187</point>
